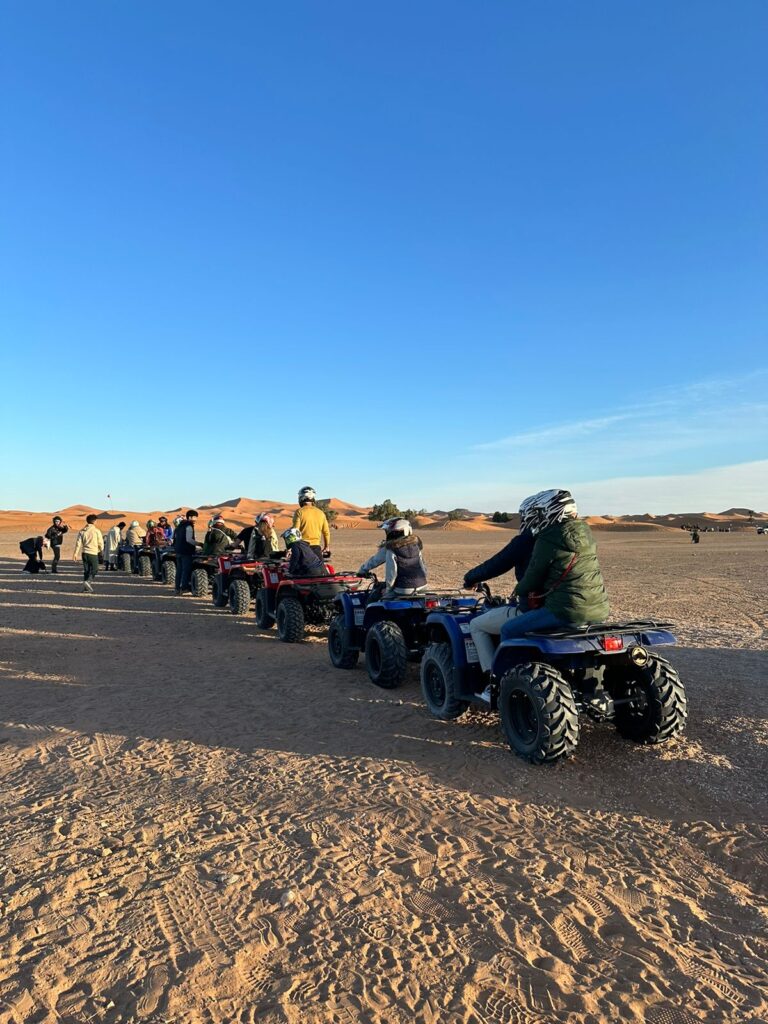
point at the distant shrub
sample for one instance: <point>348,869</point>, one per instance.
<point>386,510</point>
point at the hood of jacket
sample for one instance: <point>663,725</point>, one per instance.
<point>403,542</point>
<point>571,535</point>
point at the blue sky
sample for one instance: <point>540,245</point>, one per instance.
<point>443,252</point>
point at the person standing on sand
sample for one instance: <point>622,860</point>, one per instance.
<point>89,545</point>
<point>111,544</point>
<point>186,548</point>
<point>55,537</point>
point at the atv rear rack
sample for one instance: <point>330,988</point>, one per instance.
<point>600,629</point>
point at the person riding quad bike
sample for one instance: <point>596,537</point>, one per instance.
<point>516,555</point>
<point>166,527</point>
<point>563,585</point>
<point>304,559</point>
<point>155,535</point>
<point>134,536</point>
<point>263,541</point>
<point>311,521</point>
<point>405,572</point>
<point>218,538</point>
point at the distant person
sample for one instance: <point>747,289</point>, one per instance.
<point>405,572</point>
<point>695,535</point>
<point>264,541</point>
<point>312,522</point>
<point>89,545</point>
<point>185,546</point>
<point>134,537</point>
<point>32,547</point>
<point>55,537</point>
<point>155,535</point>
<point>218,538</point>
<point>112,543</point>
<point>563,584</point>
<point>304,559</point>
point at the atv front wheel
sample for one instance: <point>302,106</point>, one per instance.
<point>145,567</point>
<point>339,651</point>
<point>239,597</point>
<point>125,562</point>
<point>290,620</point>
<point>656,708</point>
<point>538,713</point>
<point>201,584</point>
<point>219,593</point>
<point>169,572</point>
<point>438,683</point>
<point>386,657</point>
<point>264,619</point>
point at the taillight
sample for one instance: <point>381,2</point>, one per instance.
<point>612,643</point>
<point>431,602</point>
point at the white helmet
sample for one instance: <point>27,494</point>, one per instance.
<point>306,494</point>
<point>177,520</point>
<point>135,524</point>
<point>265,517</point>
<point>554,506</point>
<point>291,535</point>
<point>396,525</point>
<point>217,519</point>
<point>530,511</point>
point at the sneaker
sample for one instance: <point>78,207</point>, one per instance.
<point>87,587</point>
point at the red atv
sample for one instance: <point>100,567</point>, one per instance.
<point>294,602</point>
<point>239,580</point>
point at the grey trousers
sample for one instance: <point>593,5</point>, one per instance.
<point>485,630</point>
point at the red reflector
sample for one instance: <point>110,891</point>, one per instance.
<point>430,603</point>
<point>612,643</point>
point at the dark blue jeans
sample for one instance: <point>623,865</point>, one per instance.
<point>539,618</point>
<point>184,571</point>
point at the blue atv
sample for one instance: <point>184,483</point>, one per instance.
<point>542,682</point>
<point>389,631</point>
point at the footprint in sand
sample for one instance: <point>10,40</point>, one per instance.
<point>153,990</point>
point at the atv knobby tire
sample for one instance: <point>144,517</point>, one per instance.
<point>219,593</point>
<point>263,618</point>
<point>126,563</point>
<point>538,713</point>
<point>438,683</point>
<point>145,567</point>
<point>660,708</point>
<point>239,597</point>
<point>386,656</point>
<point>169,571</point>
<point>290,620</point>
<point>339,651</point>
<point>201,584</point>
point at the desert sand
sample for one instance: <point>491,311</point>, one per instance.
<point>201,824</point>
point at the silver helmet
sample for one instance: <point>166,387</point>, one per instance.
<point>396,525</point>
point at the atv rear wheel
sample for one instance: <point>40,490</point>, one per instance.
<point>386,657</point>
<point>219,593</point>
<point>438,683</point>
<point>126,563</point>
<point>538,713</point>
<point>145,567</point>
<point>169,572</point>
<point>657,708</point>
<point>339,651</point>
<point>201,584</point>
<point>239,597</point>
<point>263,618</point>
<point>290,620</point>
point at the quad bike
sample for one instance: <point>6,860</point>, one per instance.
<point>135,559</point>
<point>165,565</point>
<point>238,581</point>
<point>390,631</point>
<point>543,682</point>
<point>293,602</point>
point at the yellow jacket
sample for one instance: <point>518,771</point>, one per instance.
<point>313,525</point>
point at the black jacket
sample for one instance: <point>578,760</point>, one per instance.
<point>55,534</point>
<point>304,561</point>
<point>516,555</point>
<point>180,543</point>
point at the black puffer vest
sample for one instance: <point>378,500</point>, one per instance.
<point>410,573</point>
